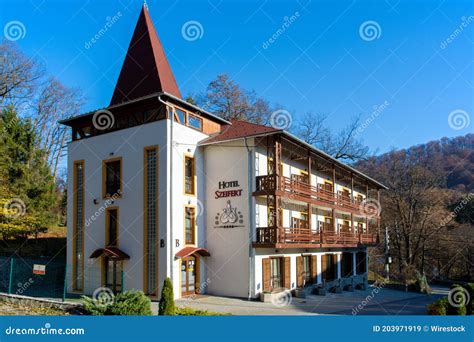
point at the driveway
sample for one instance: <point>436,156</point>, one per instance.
<point>360,302</point>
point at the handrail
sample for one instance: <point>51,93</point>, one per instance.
<point>296,187</point>
<point>285,235</point>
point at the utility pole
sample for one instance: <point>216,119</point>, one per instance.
<point>388,258</point>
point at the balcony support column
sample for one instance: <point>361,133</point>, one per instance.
<point>310,208</point>
<point>352,187</point>
<point>352,224</point>
<point>354,263</point>
<point>366,201</point>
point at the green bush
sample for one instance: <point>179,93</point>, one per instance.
<point>194,312</point>
<point>94,307</point>
<point>470,306</point>
<point>454,310</point>
<point>131,303</point>
<point>438,308</point>
<point>128,303</point>
<point>166,306</point>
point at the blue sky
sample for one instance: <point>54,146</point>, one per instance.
<point>320,63</point>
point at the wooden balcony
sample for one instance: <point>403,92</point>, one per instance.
<point>293,188</point>
<point>271,237</point>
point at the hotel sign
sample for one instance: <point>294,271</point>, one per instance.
<point>232,192</point>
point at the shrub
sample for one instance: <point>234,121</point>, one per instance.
<point>455,310</point>
<point>131,303</point>
<point>127,303</point>
<point>438,308</point>
<point>94,307</point>
<point>166,306</point>
<point>470,305</point>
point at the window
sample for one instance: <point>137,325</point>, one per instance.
<point>195,122</point>
<point>112,172</point>
<point>276,273</point>
<point>78,221</point>
<point>150,203</point>
<point>112,227</point>
<point>180,116</point>
<point>306,269</point>
<point>190,225</point>
<point>189,176</point>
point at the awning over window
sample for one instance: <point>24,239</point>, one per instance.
<point>110,252</point>
<point>186,251</point>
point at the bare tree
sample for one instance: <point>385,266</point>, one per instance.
<point>227,99</point>
<point>415,208</point>
<point>312,129</point>
<point>18,75</point>
<point>53,103</point>
<point>344,145</point>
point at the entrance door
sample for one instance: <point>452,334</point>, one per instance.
<point>188,276</point>
<point>113,274</point>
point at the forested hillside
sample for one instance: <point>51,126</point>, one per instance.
<point>429,207</point>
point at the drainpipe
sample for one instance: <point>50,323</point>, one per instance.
<point>170,233</point>
<point>251,221</point>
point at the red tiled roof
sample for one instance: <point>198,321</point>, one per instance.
<point>186,251</point>
<point>145,69</point>
<point>238,129</point>
<point>110,252</point>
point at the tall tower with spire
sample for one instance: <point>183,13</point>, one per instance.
<point>145,69</point>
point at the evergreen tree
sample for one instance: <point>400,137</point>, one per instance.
<point>166,306</point>
<point>27,188</point>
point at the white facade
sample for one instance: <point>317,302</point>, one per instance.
<point>225,177</point>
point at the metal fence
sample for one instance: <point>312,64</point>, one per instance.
<point>35,277</point>
<point>48,278</point>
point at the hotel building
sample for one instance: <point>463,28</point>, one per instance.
<point>158,187</point>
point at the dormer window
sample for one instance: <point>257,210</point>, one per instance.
<point>180,116</point>
<point>194,122</point>
<point>188,119</point>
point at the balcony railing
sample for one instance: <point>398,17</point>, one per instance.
<point>289,237</point>
<point>305,191</point>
